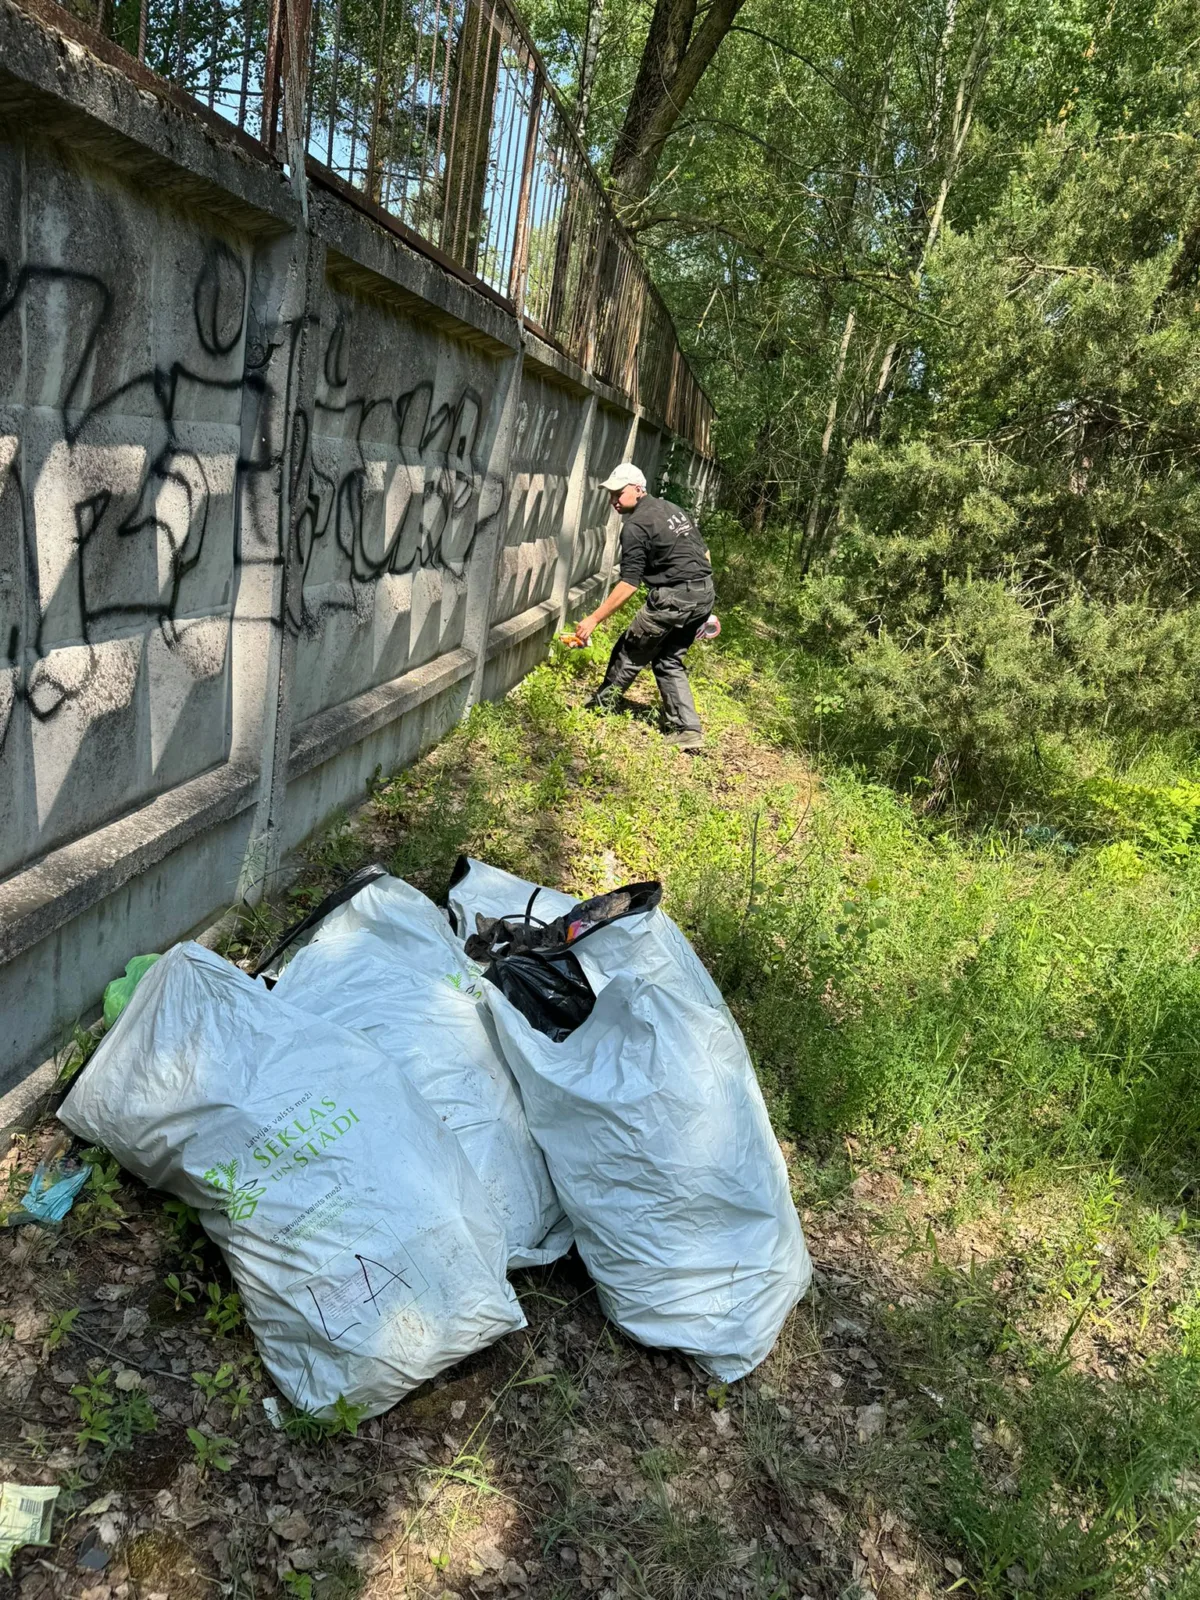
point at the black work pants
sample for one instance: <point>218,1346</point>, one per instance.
<point>658,637</point>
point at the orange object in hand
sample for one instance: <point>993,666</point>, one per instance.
<point>573,641</point>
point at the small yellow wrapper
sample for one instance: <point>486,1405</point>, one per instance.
<point>25,1515</point>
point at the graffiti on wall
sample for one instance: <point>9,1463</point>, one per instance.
<point>394,482</point>
<point>134,493</point>
<point>142,532</point>
<point>83,507</point>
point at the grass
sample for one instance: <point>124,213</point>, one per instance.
<point>979,1045</point>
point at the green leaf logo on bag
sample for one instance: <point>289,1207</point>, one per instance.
<point>239,1202</point>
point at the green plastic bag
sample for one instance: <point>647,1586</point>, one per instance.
<point>120,991</point>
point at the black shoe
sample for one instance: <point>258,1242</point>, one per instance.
<point>688,739</point>
<point>602,700</point>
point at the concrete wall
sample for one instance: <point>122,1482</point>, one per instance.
<point>279,498</point>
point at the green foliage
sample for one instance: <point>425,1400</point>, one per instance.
<point>183,1292</point>
<point>1004,1011</point>
<point>223,1313</point>
<point>78,1051</point>
<point>1097,1477</point>
<point>223,1385</point>
<point>111,1418</point>
<point>212,1450</point>
<point>61,1323</point>
<point>940,269</point>
<point>307,1428</point>
<point>96,1400</point>
<point>97,1210</point>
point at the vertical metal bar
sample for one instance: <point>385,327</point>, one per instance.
<point>516,281</point>
<point>509,154</point>
<point>141,49</point>
<point>412,113</point>
<point>354,127</point>
<point>437,158</point>
<point>270,111</point>
<point>314,33</point>
<point>389,160</point>
<point>333,92</point>
<point>406,161</point>
<point>244,90</point>
<point>215,43</point>
<point>454,167</point>
<point>430,90</point>
<point>377,105</point>
<point>180,27</point>
<point>483,115</point>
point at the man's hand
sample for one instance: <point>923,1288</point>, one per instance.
<point>613,601</point>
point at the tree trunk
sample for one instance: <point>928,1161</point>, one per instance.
<point>807,549</point>
<point>673,63</point>
<point>960,127</point>
<point>587,63</point>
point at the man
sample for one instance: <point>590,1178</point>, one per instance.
<point>662,548</point>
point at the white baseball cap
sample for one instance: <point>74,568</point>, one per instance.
<point>621,477</point>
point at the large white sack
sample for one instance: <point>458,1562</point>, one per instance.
<point>366,1252</point>
<point>440,1034</point>
<point>418,932</point>
<point>663,1155</point>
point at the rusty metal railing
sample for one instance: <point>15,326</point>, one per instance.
<point>438,117</point>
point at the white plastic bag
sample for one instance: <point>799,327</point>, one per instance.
<point>417,932</point>
<point>657,1137</point>
<point>381,965</point>
<point>660,1147</point>
<point>366,1252</point>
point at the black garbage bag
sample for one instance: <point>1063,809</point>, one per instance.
<point>533,963</point>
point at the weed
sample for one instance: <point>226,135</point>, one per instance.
<point>187,1238</point>
<point>224,1311</point>
<point>346,1417</point>
<point>337,848</point>
<point>108,1418</point>
<point>718,1393</point>
<point>255,928</point>
<point>184,1293</point>
<point>306,1428</point>
<point>96,1400</point>
<point>661,1462</point>
<point>667,1552</point>
<point>212,1450</point>
<point>78,1051</point>
<point>772,1453</point>
<point>97,1209</point>
<point>61,1323</point>
<point>213,1384</point>
<point>37,1442</point>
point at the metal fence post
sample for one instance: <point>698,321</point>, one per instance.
<point>520,255</point>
